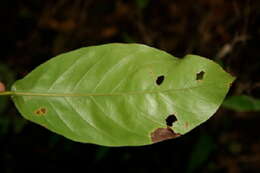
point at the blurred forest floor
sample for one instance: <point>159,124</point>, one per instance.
<point>228,32</point>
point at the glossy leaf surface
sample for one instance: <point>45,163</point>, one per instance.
<point>121,94</point>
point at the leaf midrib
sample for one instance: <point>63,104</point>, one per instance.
<point>21,93</point>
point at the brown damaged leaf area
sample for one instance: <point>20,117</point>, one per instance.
<point>186,125</point>
<point>162,134</point>
<point>41,111</point>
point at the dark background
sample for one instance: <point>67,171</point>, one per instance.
<point>228,32</point>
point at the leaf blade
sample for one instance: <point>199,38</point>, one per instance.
<point>108,94</point>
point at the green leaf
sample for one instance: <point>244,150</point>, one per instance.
<point>201,152</point>
<point>242,103</point>
<point>121,94</point>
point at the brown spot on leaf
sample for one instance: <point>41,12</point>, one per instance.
<point>41,111</point>
<point>186,124</point>
<point>162,134</point>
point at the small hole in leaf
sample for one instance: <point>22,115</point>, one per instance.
<point>170,119</point>
<point>159,80</point>
<point>200,75</point>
